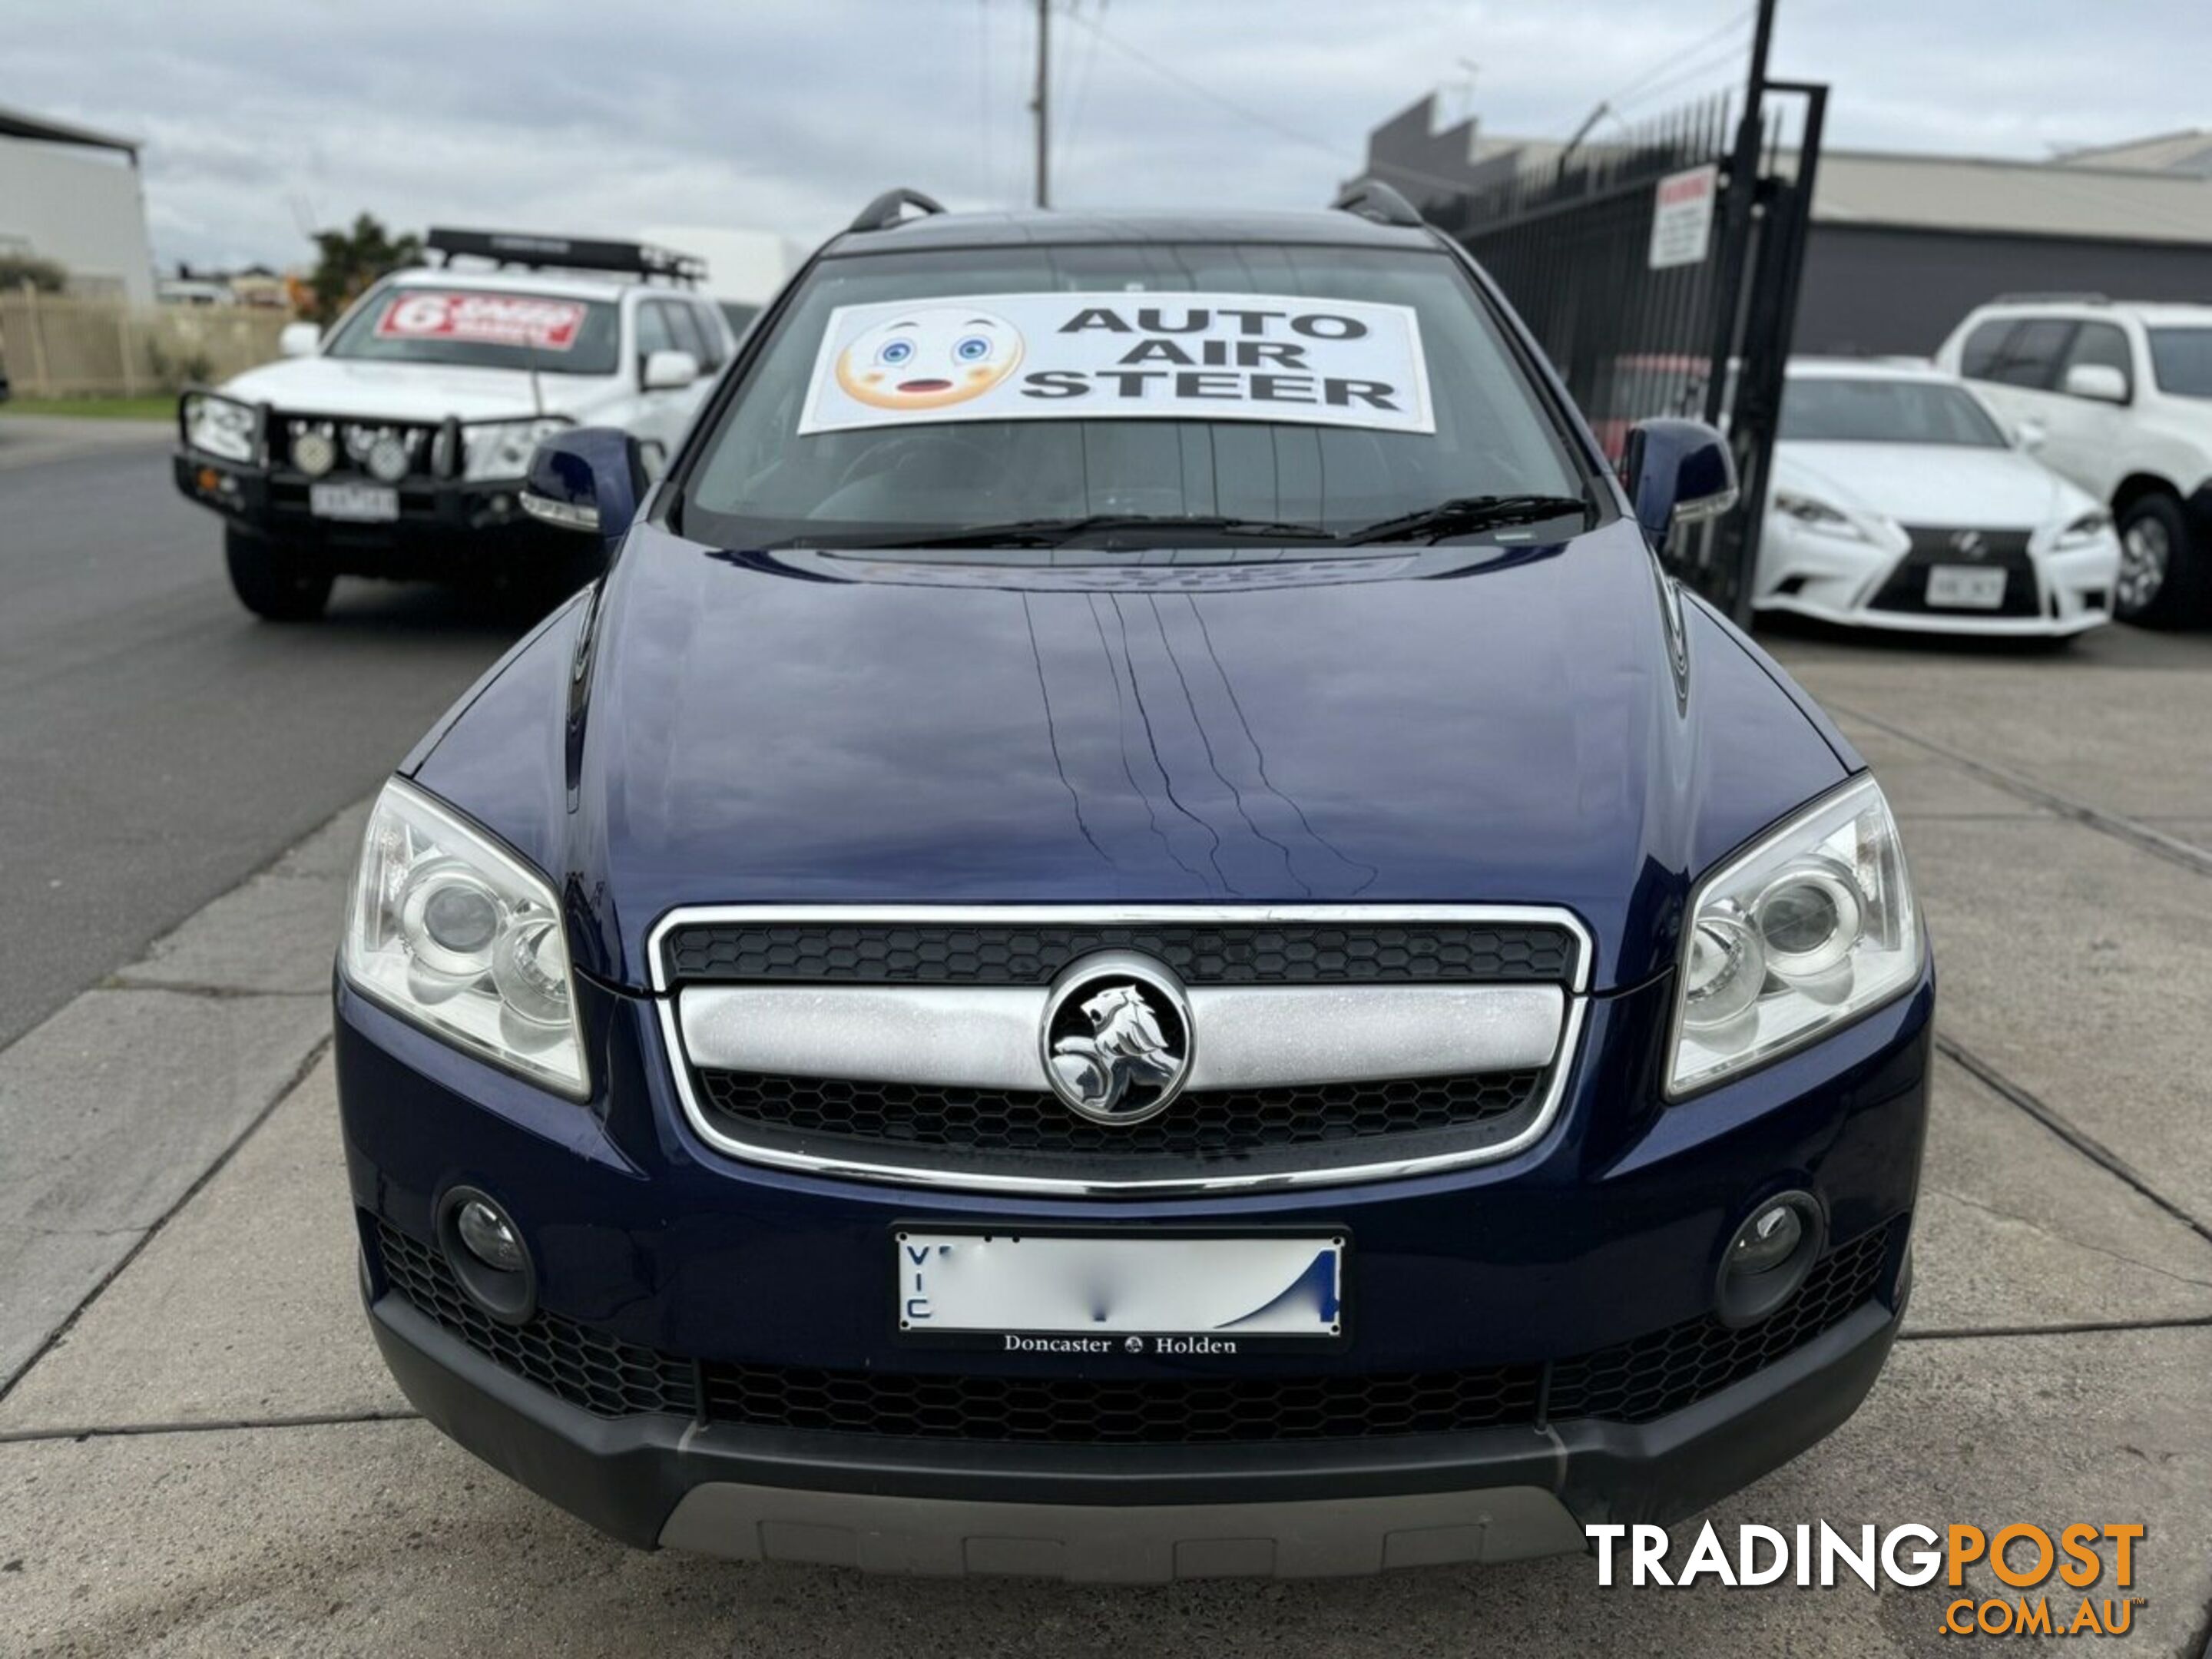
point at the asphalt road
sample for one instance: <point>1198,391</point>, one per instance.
<point>158,744</point>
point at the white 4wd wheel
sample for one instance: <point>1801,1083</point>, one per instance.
<point>2162,573</point>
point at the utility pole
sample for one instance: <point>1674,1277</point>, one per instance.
<point>1735,253</point>
<point>1736,227</point>
<point>1038,104</point>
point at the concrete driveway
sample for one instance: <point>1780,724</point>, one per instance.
<point>200,1453</point>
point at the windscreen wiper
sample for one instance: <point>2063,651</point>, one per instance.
<point>1058,533</point>
<point>1464,515</point>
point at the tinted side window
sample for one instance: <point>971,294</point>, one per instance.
<point>710,338</point>
<point>2031,355</point>
<point>683,330</point>
<point>1985,346</point>
<point>652,333</point>
<point>2104,343</point>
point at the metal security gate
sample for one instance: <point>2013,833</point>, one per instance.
<point>1661,273</point>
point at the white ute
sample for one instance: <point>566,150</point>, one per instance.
<point>395,444</point>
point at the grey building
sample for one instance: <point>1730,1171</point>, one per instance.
<point>71,195</point>
<point>1903,246</point>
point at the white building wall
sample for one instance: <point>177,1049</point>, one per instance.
<point>79,207</point>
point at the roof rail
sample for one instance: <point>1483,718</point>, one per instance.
<point>1371,198</point>
<point>2052,299</point>
<point>513,248</point>
<point>886,209</point>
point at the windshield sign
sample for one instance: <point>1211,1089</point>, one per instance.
<point>1103,355</point>
<point>482,328</point>
<point>482,320</point>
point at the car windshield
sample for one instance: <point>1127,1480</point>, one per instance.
<point>2182,360</point>
<point>1821,409</point>
<point>483,328</point>
<point>1354,387</point>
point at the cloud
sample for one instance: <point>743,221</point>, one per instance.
<point>264,119</point>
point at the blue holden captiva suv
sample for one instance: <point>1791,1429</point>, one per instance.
<point>1135,936</point>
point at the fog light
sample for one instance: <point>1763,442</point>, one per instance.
<point>1767,1240</point>
<point>1768,1257</point>
<point>314,453</point>
<point>387,459</point>
<point>490,1235</point>
<point>485,1250</point>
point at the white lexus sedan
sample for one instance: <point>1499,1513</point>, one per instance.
<point>1898,501</point>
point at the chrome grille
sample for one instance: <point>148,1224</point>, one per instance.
<point>943,1084</point>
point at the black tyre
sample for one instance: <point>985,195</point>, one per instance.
<point>273,578</point>
<point>2166,577</point>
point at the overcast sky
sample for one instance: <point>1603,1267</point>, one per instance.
<point>264,117</point>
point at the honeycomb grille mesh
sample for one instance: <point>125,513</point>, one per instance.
<point>584,1367</point>
<point>1632,1382</point>
<point>1223,954</point>
<point>1216,1124</point>
<point>1635,1382</point>
<point>1151,1411</point>
<point>1906,589</point>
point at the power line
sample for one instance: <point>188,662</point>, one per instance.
<point>1168,72</point>
<point>1727,59</point>
<point>1634,88</point>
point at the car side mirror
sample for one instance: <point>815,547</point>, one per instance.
<point>669,371</point>
<point>1677,473</point>
<point>588,478</point>
<point>299,339</point>
<point>2100,383</point>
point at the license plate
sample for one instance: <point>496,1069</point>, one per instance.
<point>359,503</point>
<point>1965,586</point>
<point>1056,1293</point>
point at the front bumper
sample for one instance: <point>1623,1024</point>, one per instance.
<point>441,521</point>
<point>1582,1257</point>
<point>1492,1495</point>
<point>1843,581</point>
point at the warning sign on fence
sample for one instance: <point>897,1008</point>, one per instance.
<point>1682,217</point>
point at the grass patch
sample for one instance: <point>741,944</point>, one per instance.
<point>162,406</point>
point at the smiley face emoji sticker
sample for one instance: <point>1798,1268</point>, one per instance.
<point>928,357</point>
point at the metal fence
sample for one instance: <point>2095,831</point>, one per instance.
<point>1638,329</point>
<point>1567,240</point>
<point>57,346</point>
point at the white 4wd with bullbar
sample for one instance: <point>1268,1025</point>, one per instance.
<point>395,444</point>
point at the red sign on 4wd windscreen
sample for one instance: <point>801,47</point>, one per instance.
<point>507,320</point>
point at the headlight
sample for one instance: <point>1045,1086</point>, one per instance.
<point>220,426</point>
<point>2088,530</point>
<point>451,932</point>
<point>1817,515</point>
<point>1811,928</point>
<point>502,449</point>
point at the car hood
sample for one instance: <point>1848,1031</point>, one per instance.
<point>1938,485</point>
<point>393,391</point>
<point>1547,726</point>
